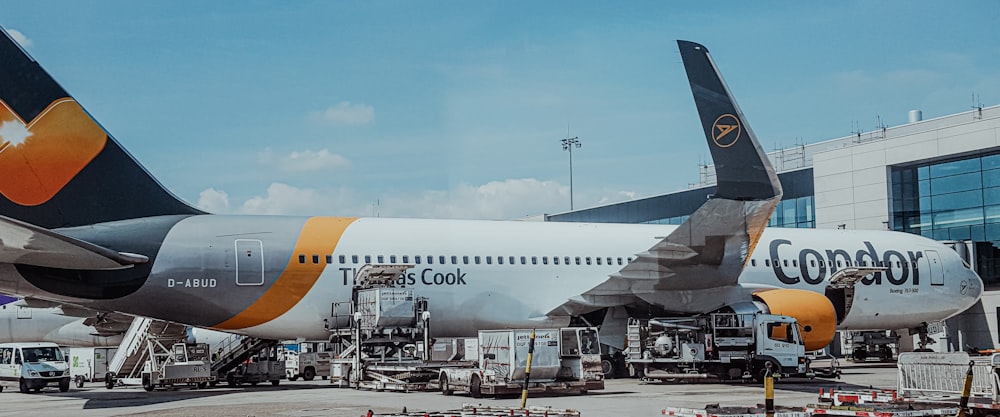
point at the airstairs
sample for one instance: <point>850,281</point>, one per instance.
<point>149,340</point>
<point>144,338</point>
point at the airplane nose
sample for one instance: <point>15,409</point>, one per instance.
<point>971,286</point>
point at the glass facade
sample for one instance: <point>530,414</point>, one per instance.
<point>795,212</point>
<point>953,200</point>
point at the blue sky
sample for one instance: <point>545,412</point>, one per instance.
<point>456,109</point>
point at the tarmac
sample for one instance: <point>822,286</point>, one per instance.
<point>621,397</point>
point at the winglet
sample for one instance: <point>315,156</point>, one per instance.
<point>729,136</point>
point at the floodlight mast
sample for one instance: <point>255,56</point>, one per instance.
<point>568,144</point>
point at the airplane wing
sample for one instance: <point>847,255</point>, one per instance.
<point>27,244</point>
<point>104,323</point>
<point>696,268</point>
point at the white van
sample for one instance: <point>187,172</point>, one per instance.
<point>33,366</point>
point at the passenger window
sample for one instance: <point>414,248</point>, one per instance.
<point>406,259</point>
<point>441,260</point>
<point>489,260</point>
<point>381,259</point>
<point>785,262</point>
<point>795,262</point>
<point>343,259</point>
<point>354,259</point>
<point>534,260</point>
<point>588,260</point>
<point>510,260</point>
<point>609,260</point>
<point>598,260</point>
<point>416,259</point>
<point>566,260</point>
<point>812,263</point>
<point>555,260</point>
<point>619,260</point>
<point>753,262</point>
<point>368,259</point>
<point>524,261</point>
<point>454,260</point>
<point>392,259</point>
<point>477,260</point>
<point>767,263</point>
<point>465,260</point>
<point>545,260</point>
<point>499,260</point>
<point>302,259</point>
<point>630,259</point>
<point>577,260</point>
<point>840,263</point>
<point>315,259</point>
<point>430,259</point>
<point>329,259</point>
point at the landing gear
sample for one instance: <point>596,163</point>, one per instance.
<point>925,340</point>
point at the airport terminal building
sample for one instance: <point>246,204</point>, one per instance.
<point>939,178</point>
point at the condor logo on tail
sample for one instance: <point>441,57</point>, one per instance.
<point>726,130</point>
<point>38,158</point>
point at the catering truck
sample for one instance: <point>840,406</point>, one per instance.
<point>718,345</point>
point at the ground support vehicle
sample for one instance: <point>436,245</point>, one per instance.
<point>379,342</point>
<point>184,363</point>
<point>89,364</point>
<point>869,345</point>
<point>33,366</point>
<point>256,372</point>
<point>717,345</point>
<point>564,360</point>
<point>308,365</point>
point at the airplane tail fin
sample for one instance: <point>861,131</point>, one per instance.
<point>730,138</point>
<point>58,166</point>
<point>697,267</point>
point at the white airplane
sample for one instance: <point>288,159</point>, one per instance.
<point>22,323</point>
<point>84,224</point>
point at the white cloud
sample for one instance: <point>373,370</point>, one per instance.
<point>496,200</point>
<point>19,37</point>
<point>303,161</point>
<point>288,200</point>
<point>213,201</point>
<point>345,114</point>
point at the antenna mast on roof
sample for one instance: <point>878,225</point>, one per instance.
<point>977,106</point>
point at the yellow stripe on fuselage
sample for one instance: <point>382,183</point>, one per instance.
<point>319,235</point>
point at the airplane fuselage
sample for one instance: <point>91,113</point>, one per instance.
<point>278,276</point>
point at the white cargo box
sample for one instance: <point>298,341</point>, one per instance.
<point>505,353</point>
<point>386,307</point>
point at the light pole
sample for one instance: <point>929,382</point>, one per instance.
<point>568,145</point>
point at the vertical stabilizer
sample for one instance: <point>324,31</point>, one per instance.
<point>58,166</point>
<point>741,166</point>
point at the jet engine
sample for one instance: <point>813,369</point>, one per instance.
<point>814,313</point>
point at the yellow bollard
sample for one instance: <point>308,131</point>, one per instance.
<point>963,405</point>
<point>768,390</point>
<point>527,370</point>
